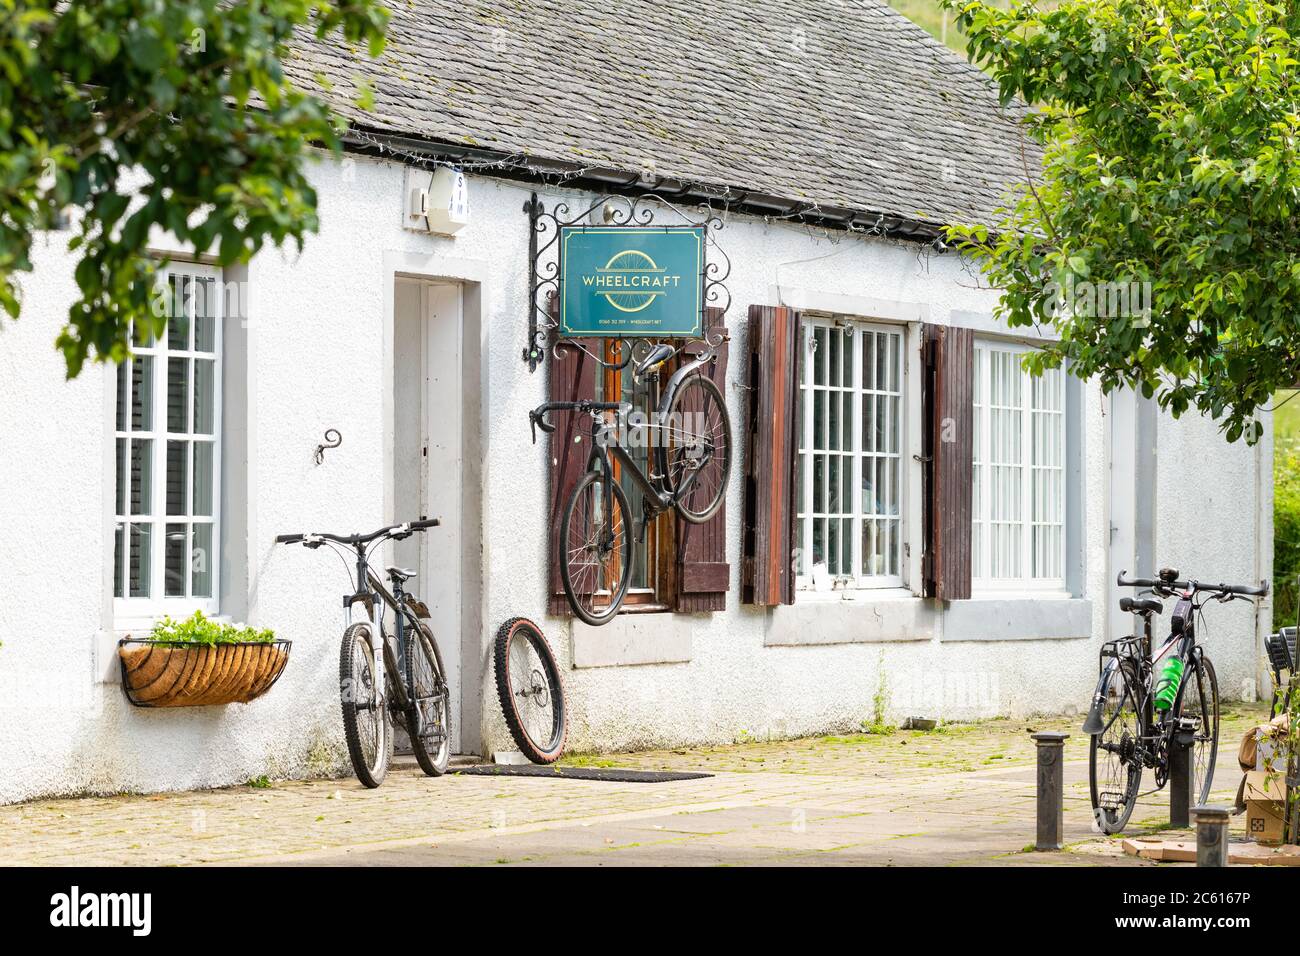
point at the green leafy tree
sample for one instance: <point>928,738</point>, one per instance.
<point>1169,138</point>
<point>117,116</point>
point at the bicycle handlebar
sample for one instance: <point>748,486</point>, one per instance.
<point>357,539</point>
<point>537,416</point>
<point>1171,584</point>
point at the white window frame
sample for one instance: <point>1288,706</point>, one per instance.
<point>805,515</point>
<point>1025,582</point>
<point>129,610</point>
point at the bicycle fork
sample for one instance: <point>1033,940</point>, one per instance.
<point>378,669</point>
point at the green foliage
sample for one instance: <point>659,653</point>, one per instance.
<point>878,724</point>
<point>1170,156</point>
<point>200,629</point>
<point>1286,535</point>
<point>121,116</point>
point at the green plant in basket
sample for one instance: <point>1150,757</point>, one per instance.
<point>198,628</point>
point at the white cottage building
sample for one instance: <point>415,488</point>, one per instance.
<point>833,143</point>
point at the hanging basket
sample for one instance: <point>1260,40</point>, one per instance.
<point>170,674</point>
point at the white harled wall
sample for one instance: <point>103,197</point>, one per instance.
<point>317,358</point>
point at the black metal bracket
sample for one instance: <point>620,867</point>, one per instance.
<point>544,266</point>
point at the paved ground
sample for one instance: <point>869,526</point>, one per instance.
<point>963,794</point>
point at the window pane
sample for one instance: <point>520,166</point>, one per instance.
<point>204,384</point>
<point>819,420</point>
<point>202,559</point>
<point>868,360</point>
<point>205,313</point>
<point>834,436</point>
<point>204,479</point>
<point>140,563</point>
<point>178,463</point>
<point>142,393</point>
<point>142,476</point>
<point>833,551</point>
<point>121,480</point>
<point>178,394</point>
<point>122,379</point>
<point>119,545</point>
<point>178,323</point>
<point>819,484</point>
<point>174,571</point>
<point>835,362</point>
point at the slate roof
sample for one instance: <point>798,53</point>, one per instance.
<point>841,103</point>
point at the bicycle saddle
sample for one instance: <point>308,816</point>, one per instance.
<point>1140,605</point>
<point>657,356</point>
<point>400,574</point>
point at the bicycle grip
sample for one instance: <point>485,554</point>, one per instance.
<point>425,523</point>
<point>288,538</point>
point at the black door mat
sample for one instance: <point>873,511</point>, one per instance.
<point>609,774</point>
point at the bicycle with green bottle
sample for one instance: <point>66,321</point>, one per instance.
<point>1146,698</point>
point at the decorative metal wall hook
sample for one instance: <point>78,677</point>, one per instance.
<point>333,442</point>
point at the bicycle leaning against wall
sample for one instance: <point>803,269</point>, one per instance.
<point>690,436</point>
<point>412,683</point>
<point>1145,700</point>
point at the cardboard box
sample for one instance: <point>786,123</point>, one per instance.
<point>1265,806</point>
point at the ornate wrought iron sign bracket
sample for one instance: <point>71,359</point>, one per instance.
<point>544,272</point>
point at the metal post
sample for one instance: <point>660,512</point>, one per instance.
<point>1180,778</point>
<point>1051,790</point>
<point>1211,835</point>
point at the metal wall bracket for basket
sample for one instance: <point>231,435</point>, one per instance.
<point>544,266</point>
<point>173,674</point>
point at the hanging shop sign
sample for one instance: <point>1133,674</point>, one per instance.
<point>625,281</point>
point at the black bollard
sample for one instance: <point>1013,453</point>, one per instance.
<point>1211,835</point>
<point>1051,790</point>
<point>1180,778</point>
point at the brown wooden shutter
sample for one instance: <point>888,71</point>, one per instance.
<point>573,377</point>
<point>703,574</point>
<point>948,362</point>
<point>771,458</point>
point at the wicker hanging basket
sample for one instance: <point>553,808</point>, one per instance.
<point>169,674</point>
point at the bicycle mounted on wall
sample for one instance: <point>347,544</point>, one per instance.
<point>689,430</point>
<point>1148,701</point>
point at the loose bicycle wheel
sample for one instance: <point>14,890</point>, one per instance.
<point>428,720</point>
<point>1200,702</point>
<point>367,724</point>
<point>596,549</point>
<point>1114,766</point>
<point>530,689</point>
<point>697,449</point>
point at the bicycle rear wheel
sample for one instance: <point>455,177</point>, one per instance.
<point>698,449</point>
<point>596,549</point>
<point>530,689</point>
<point>1114,766</point>
<point>428,721</point>
<point>1200,702</point>
<point>367,724</point>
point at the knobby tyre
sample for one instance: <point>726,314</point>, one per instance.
<point>531,690</point>
<point>596,567</point>
<point>1200,701</point>
<point>367,724</point>
<point>428,720</point>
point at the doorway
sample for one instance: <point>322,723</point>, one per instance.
<point>431,409</point>
<point>1133,421</point>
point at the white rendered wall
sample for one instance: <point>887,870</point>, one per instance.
<point>318,360</point>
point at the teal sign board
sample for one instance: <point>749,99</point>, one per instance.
<point>622,281</point>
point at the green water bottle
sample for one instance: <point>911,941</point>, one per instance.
<point>1167,681</point>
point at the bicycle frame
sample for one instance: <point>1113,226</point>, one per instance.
<point>375,600</point>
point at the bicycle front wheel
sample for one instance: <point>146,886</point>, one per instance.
<point>530,690</point>
<point>1200,702</point>
<point>367,724</point>
<point>1114,764</point>
<point>596,549</point>
<point>698,449</point>
<point>428,721</point>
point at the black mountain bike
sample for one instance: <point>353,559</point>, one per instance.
<point>690,435</point>
<point>416,686</point>
<point>1128,732</point>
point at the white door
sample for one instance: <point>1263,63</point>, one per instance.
<point>1123,507</point>
<point>428,459</point>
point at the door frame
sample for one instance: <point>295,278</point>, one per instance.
<point>470,276</point>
